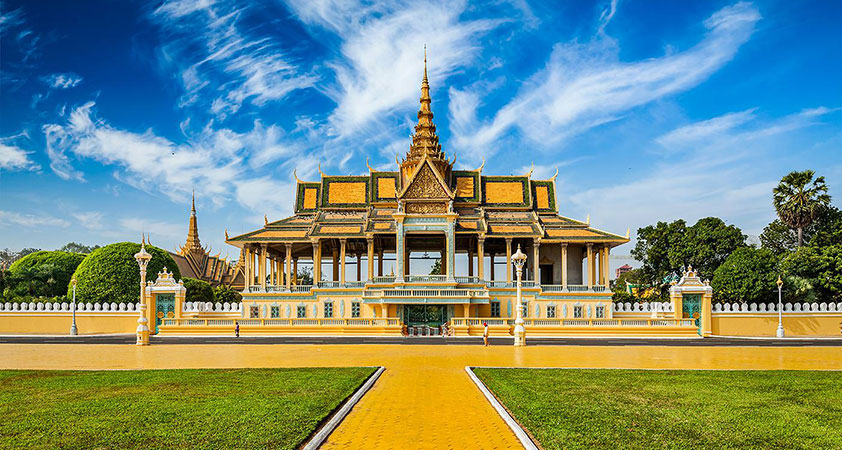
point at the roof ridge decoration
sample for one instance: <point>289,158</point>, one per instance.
<point>425,162</point>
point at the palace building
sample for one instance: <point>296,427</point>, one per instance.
<point>426,206</point>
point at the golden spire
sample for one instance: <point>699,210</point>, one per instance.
<point>193,228</point>
<point>425,140</point>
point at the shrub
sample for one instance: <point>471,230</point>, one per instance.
<point>747,275</point>
<point>110,274</point>
<point>43,273</point>
<point>198,290</point>
<point>225,294</point>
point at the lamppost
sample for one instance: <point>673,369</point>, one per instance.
<point>73,330</point>
<point>780,332</point>
<point>519,259</point>
<point>142,258</point>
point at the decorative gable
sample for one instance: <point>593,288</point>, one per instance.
<point>426,184</point>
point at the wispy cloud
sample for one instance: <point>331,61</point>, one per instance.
<point>154,228</point>
<point>31,220</point>
<point>91,220</point>
<point>225,64</point>
<point>62,80</point>
<point>585,85</point>
<point>15,158</point>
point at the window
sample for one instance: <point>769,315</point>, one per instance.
<point>301,311</point>
<point>577,312</point>
<point>254,312</point>
<point>328,310</point>
<point>276,312</point>
<point>600,312</point>
<point>495,309</point>
<point>355,309</point>
<point>525,310</point>
<point>551,312</point>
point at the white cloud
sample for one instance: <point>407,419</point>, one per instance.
<point>91,220</point>
<point>220,57</point>
<point>586,85</point>
<point>62,80</point>
<point>391,34</point>
<point>267,196</point>
<point>699,131</point>
<point>14,158</point>
<point>31,220</point>
<point>153,228</point>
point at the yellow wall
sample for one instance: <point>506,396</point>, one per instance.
<point>59,323</point>
<point>795,324</point>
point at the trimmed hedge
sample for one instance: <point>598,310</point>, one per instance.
<point>198,290</point>
<point>63,264</point>
<point>110,274</point>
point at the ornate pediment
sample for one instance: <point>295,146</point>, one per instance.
<point>426,184</point>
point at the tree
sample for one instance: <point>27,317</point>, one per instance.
<point>436,268</point>
<point>798,199</point>
<point>7,257</point>
<point>747,275</point>
<point>821,267</point>
<point>825,230</point>
<point>224,294</point>
<point>304,276</point>
<point>634,276</point>
<point>42,274</point>
<point>708,243</point>
<point>110,273</point>
<point>74,247</point>
<point>198,290</point>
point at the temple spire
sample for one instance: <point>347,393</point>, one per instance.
<point>425,140</point>
<point>193,228</point>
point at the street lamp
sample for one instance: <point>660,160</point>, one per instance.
<point>780,332</point>
<point>142,258</point>
<point>519,259</point>
<point>73,330</point>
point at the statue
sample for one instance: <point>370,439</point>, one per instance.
<point>450,206</point>
<point>400,206</point>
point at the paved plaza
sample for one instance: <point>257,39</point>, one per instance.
<point>424,398</point>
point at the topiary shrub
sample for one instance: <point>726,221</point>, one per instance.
<point>198,290</point>
<point>225,294</point>
<point>110,274</point>
<point>43,273</point>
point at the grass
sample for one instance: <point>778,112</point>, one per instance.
<point>644,409</point>
<point>156,409</point>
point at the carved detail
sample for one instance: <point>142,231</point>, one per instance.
<point>425,208</point>
<point>425,185</point>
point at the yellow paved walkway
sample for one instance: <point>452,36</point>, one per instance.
<point>424,399</point>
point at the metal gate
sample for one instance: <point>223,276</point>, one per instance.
<point>164,308</point>
<point>691,305</point>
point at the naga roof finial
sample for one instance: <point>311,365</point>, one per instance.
<point>295,175</point>
<point>554,175</point>
<point>320,170</point>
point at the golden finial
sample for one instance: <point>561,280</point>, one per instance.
<point>396,159</point>
<point>628,232</point>
<point>226,234</point>
<point>368,165</point>
<point>588,220</point>
<point>142,241</point>
<point>554,175</point>
<point>320,170</point>
<point>265,220</point>
<point>454,159</point>
<point>425,62</point>
<point>193,201</point>
<point>529,174</point>
<point>479,169</point>
<point>295,175</point>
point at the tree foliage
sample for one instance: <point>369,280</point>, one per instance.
<point>435,269</point>
<point>198,290</point>
<point>747,275</point>
<point>821,267</point>
<point>74,247</point>
<point>41,274</point>
<point>224,294</point>
<point>110,273</point>
<point>799,198</point>
<point>825,230</point>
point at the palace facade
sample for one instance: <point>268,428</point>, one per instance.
<point>426,206</point>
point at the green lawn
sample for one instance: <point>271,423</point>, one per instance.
<point>156,409</point>
<point>673,409</point>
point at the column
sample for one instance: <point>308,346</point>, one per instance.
<point>263,266</point>
<point>491,265</point>
<point>288,264</point>
<point>607,260</point>
<point>508,260</point>
<point>247,267</point>
<point>295,271</point>
<point>342,245</point>
<point>599,265</point>
<point>359,266</point>
<point>335,263</point>
<point>317,262</point>
<point>400,250</point>
<point>450,248</point>
<point>590,266</point>
<point>481,257</point>
<point>564,266</point>
<point>380,262</point>
<point>536,261</point>
<point>470,261</point>
<point>369,244</point>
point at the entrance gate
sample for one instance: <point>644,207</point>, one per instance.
<point>164,308</point>
<point>424,320</point>
<point>692,309</point>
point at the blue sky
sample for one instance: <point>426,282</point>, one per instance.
<point>113,112</point>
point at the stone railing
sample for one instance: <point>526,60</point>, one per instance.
<point>425,278</point>
<point>773,307</point>
<point>579,322</point>
<point>282,322</point>
<point>467,280</point>
<point>212,307</point>
<point>643,307</point>
<point>68,307</point>
<point>383,279</point>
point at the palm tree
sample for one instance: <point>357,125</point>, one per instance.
<point>798,199</point>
